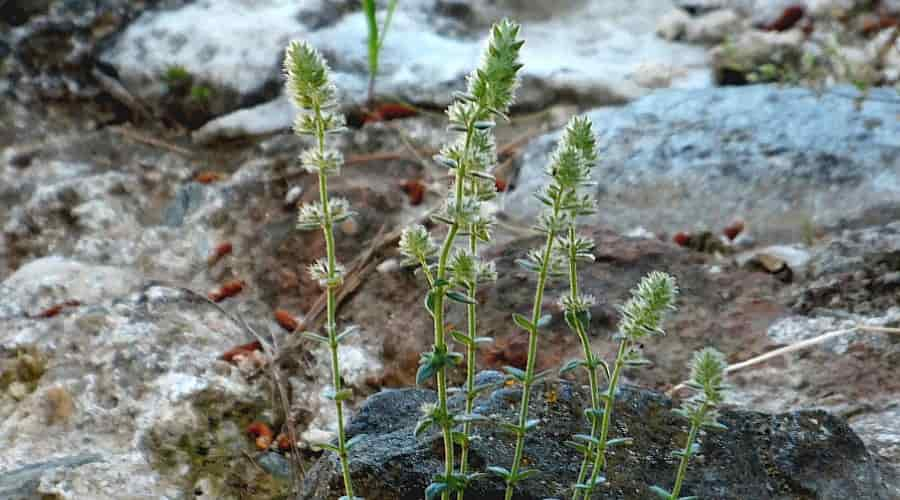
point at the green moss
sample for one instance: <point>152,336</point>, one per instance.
<point>201,94</point>
<point>176,75</point>
<point>24,366</point>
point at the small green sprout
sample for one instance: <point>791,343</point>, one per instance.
<point>201,94</point>
<point>708,383</point>
<point>376,39</point>
<point>175,75</point>
<point>310,89</point>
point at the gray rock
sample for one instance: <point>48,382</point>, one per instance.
<point>708,28</point>
<point>781,159</point>
<point>805,454</point>
<point>854,272</point>
<point>21,483</point>
<point>134,379</point>
<point>236,49</point>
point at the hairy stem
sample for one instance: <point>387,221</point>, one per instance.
<point>588,358</point>
<point>600,455</point>
<point>440,340</point>
<point>470,362</point>
<point>688,451</point>
<point>532,353</point>
<point>330,324</point>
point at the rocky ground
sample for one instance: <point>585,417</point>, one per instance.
<point>145,168</point>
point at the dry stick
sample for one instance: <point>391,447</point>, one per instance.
<point>118,91</point>
<point>886,48</point>
<point>803,344</point>
<point>151,141</point>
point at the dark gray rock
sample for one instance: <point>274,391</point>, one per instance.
<point>782,159</point>
<point>805,454</point>
<point>856,272</point>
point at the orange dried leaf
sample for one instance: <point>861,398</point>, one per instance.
<point>241,350</point>
<point>286,320</point>
<point>681,239</point>
<point>228,289</point>
<point>733,230</point>
<point>209,177</point>
<point>284,442</point>
<point>789,17</point>
<point>263,434</point>
<point>56,309</point>
<point>220,251</point>
<point>415,190</point>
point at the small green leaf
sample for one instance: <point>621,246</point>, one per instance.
<point>661,493</point>
<point>510,428</point>
<point>325,446</point>
<point>350,330</point>
<point>459,297</point>
<point>429,302</point>
<point>715,425</point>
<point>586,438</point>
<point>500,471</point>
<point>354,440</point>
<point>425,372</point>
<point>515,373</point>
<point>523,322</point>
<point>593,414</point>
<point>482,175</point>
<point>541,375</point>
<point>462,338</point>
<point>423,425</point>
<point>637,362</point>
<point>584,450</point>
<point>619,442</point>
<point>434,490</point>
<point>446,162</point>
<point>316,337</point>
<point>471,417</point>
<point>570,366</point>
<point>528,265</point>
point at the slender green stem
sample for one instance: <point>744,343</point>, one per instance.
<point>532,353</point>
<point>470,362</point>
<point>330,324</point>
<point>440,341</point>
<point>369,9</point>
<point>688,451</point>
<point>600,456</point>
<point>589,359</point>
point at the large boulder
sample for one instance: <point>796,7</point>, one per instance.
<point>804,454</point>
<point>782,159</point>
<point>235,49</point>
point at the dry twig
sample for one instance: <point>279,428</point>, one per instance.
<point>803,344</point>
